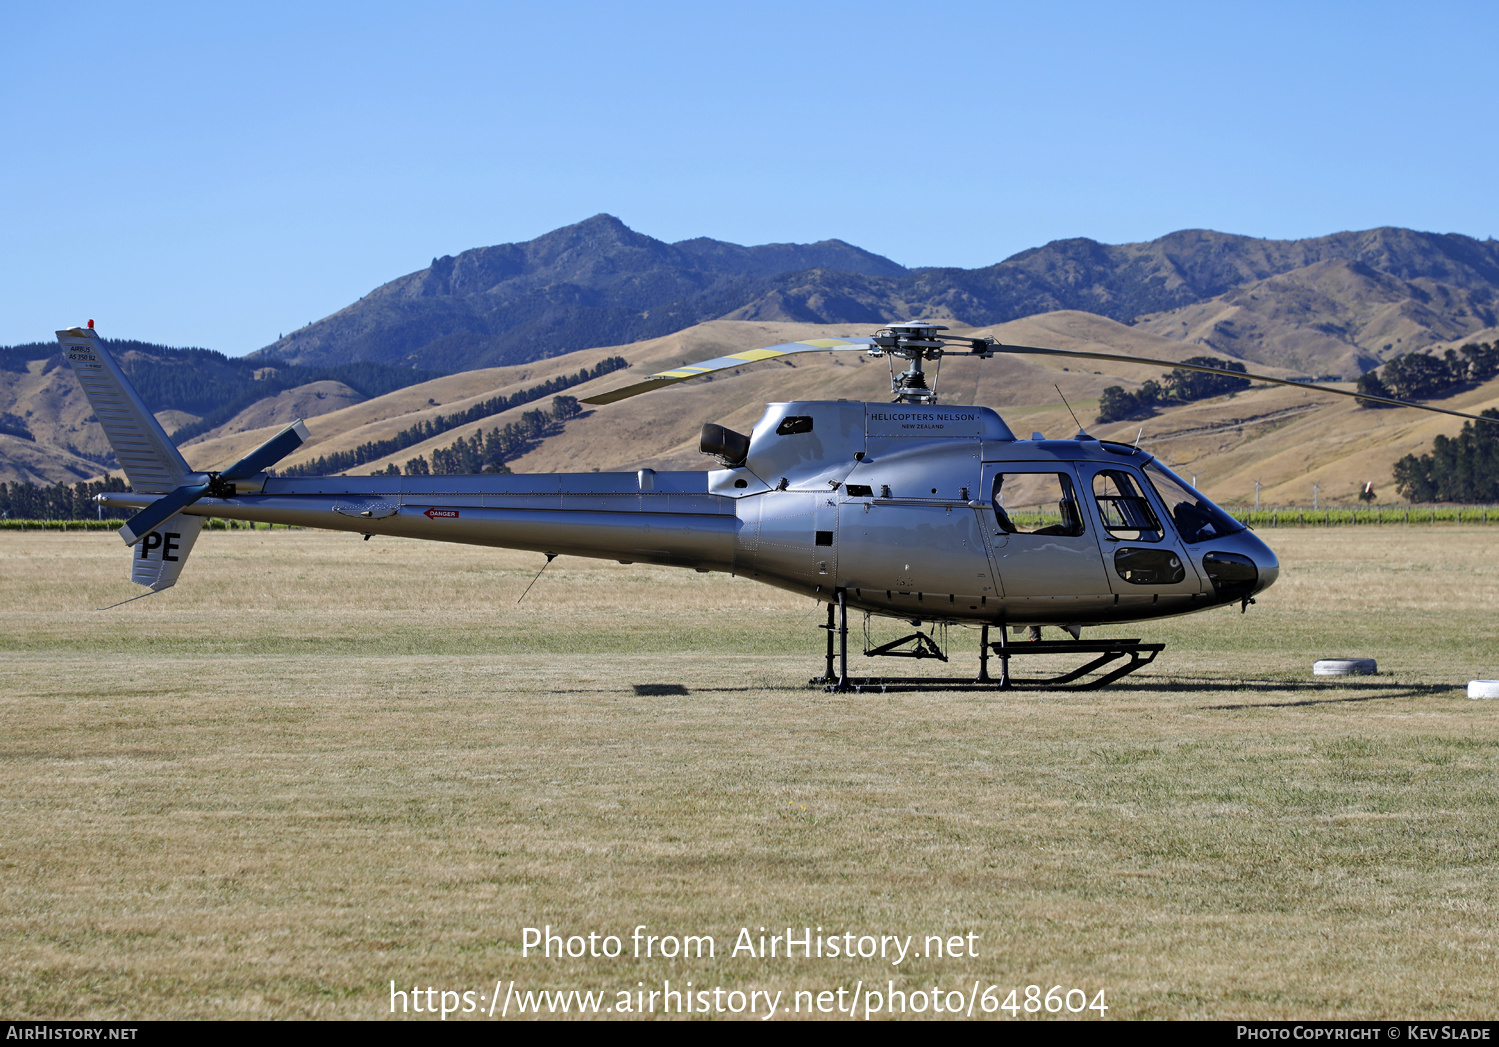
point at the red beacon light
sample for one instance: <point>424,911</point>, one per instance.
<point>91,325</point>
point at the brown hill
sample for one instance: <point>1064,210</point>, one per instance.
<point>69,444</point>
<point>1287,438</point>
<point>303,401</point>
<point>1332,317</point>
<point>661,429</point>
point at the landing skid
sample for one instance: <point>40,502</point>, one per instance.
<point>836,679</point>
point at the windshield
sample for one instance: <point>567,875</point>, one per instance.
<point>1197,519</point>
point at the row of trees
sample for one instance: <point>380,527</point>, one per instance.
<point>488,452</point>
<point>341,461</point>
<point>1463,469</point>
<point>1180,386</point>
<point>1420,376</point>
<point>1460,469</point>
<point>27,501</point>
<point>1414,376</point>
<point>15,425</point>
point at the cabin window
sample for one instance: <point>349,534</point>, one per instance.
<point>1036,503</point>
<point>1149,566</point>
<point>794,424</point>
<point>1196,518</point>
<point>1123,507</point>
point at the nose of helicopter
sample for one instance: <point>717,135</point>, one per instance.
<point>1241,565</point>
<point>1267,565</point>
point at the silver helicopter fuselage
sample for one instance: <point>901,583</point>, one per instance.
<point>899,506</point>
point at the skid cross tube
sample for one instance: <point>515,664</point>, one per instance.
<point>922,646</point>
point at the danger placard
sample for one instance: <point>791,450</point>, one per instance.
<point>434,514</point>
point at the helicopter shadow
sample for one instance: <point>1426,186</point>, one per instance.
<point>1317,692</point>
<point>651,690</point>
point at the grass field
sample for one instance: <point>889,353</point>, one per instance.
<point>319,766</point>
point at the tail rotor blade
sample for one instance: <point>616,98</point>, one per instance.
<point>269,453</point>
<point>161,510</point>
<point>167,506</point>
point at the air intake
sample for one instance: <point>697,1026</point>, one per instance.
<point>726,445</point>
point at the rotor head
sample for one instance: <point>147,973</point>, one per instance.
<point>915,342</point>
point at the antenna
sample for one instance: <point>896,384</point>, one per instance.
<point>1137,437</point>
<point>550,557</point>
<point>1067,405</point>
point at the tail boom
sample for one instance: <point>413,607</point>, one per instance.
<point>602,515</point>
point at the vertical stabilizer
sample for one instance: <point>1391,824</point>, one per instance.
<point>157,559</point>
<point>152,463</point>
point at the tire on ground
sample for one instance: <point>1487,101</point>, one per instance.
<point>1343,667</point>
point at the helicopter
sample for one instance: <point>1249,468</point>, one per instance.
<point>909,509</point>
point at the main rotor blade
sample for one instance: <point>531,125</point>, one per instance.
<point>1034,350</point>
<point>269,453</point>
<point>689,371</point>
<point>159,511</point>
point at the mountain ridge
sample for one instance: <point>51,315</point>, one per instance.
<point>1333,305</point>
<point>598,282</point>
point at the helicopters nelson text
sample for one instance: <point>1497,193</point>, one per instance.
<point>927,420</point>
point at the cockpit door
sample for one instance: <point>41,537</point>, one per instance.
<point>1143,556</point>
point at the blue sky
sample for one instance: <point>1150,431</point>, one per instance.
<point>205,175</point>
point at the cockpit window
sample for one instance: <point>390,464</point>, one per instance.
<point>1196,518</point>
<point>1036,503</point>
<point>1122,506</point>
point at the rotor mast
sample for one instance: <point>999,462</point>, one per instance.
<point>915,343</point>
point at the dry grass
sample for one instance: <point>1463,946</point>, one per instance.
<point>319,765</point>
